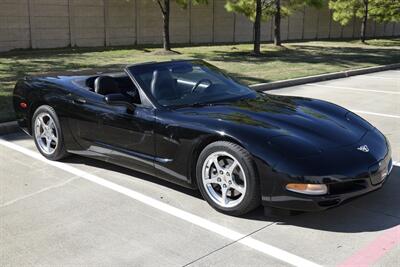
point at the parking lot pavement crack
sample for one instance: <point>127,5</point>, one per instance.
<point>227,245</point>
<point>8,203</point>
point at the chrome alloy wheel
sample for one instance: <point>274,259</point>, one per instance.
<point>46,134</point>
<point>224,179</point>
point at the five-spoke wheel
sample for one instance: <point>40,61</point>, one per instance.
<point>47,133</point>
<point>227,179</point>
<point>224,179</point>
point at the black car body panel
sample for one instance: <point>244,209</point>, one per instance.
<point>291,139</point>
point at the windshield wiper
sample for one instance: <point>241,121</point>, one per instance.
<point>196,104</point>
<point>200,104</point>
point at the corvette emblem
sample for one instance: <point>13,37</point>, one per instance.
<point>363,148</point>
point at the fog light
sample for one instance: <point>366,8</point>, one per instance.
<point>308,189</point>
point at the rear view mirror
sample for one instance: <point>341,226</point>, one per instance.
<point>119,100</point>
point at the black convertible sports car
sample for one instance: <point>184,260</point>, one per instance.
<point>189,123</point>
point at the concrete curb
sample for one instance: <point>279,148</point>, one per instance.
<point>8,127</point>
<point>321,77</point>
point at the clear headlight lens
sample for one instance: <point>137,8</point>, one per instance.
<point>308,189</point>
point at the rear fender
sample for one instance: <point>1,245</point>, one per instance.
<point>37,93</point>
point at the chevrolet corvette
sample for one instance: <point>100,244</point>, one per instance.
<point>192,124</point>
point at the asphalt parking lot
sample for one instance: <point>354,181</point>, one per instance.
<point>84,212</point>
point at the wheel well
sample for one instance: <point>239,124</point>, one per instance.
<point>197,150</point>
<point>31,111</point>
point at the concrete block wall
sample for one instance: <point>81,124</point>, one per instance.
<point>202,23</point>
<point>149,22</point>
<point>243,29</point>
<point>87,23</point>
<point>295,28</point>
<point>49,23</point>
<point>285,24</point>
<point>310,26</point>
<point>324,23</point>
<point>179,24</point>
<point>357,28</point>
<point>120,21</point>
<point>14,25</point>
<point>82,23</point>
<point>397,30</point>
<point>348,30</point>
<point>335,29</point>
<point>223,23</point>
<point>388,29</point>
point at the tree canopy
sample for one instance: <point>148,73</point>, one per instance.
<point>377,10</point>
<point>269,7</point>
<point>185,3</point>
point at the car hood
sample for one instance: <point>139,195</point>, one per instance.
<point>284,120</point>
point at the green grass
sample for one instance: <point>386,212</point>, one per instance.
<point>277,63</point>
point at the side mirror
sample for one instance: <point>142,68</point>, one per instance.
<point>119,100</point>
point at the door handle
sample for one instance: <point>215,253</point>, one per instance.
<point>79,100</point>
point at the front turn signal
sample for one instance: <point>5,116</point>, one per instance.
<point>308,189</point>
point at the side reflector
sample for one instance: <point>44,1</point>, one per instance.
<point>308,189</point>
<point>23,105</point>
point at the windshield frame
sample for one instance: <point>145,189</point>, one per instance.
<point>136,69</point>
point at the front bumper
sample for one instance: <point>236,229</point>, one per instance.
<point>338,193</point>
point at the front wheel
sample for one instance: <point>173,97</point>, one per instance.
<point>227,179</point>
<point>47,133</point>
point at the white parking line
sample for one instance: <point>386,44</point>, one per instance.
<point>183,215</point>
<point>376,114</point>
<point>354,89</point>
<point>38,192</point>
<point>396,163</point>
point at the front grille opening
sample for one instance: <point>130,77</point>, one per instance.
<point>347,187</point>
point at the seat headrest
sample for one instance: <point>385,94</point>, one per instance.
<point>163,84</point>
<point>105,85</point>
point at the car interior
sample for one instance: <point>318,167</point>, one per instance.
<point>161,83</point>
<point>176,83</point>
<point>165,84</point>
<point>114,84</point>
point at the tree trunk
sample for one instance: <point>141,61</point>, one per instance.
<point>257,29</point>
<point>165,12</point>
<point>364,22</point>
<point>277,23</point>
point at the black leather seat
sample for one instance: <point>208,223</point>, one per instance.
<point>163,85</point>
<point>105,85</point>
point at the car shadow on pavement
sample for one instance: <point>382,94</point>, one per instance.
<point>115,168</point>
<point>377,211</point>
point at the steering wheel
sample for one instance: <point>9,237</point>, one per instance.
<point>200,82</point>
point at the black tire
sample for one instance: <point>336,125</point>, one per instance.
<point>252,196</point>
<point>60,152</point>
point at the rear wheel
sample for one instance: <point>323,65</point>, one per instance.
<point>47,133</point>
<point>227,178</point>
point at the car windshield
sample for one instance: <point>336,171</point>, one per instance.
<point>187,83</point>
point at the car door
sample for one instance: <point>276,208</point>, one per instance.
<point>127,135</point>
<point>83,109</point>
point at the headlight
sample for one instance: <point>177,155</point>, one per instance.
<point>308,189</point>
